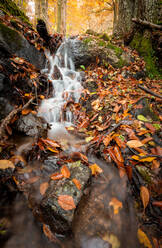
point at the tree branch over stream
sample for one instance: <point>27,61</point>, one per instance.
<point>147,24</point>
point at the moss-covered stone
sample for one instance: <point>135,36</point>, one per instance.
<point>143,44</point>
<point>117,50</point>
<point>105,37</point>
<point>87,40</point>
<point>9,7</point>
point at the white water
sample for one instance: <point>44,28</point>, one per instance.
<point>66,88</point>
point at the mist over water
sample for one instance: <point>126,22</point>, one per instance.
<point>67,87</point>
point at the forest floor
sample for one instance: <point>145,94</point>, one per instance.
<point>118,119</point>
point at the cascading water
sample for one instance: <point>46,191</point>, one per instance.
<point>66,87</point>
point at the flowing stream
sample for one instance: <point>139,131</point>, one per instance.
<point>67,87</point>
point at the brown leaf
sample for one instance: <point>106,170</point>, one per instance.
<point>77,183</point>
<point>144,141</point>
<point>134,143</point>
<point>157,204</point>
<point>107,140</point>
<point>9,130</point>
<point>66,202</point>
<point>119,142</point>
<point>65,171</point>
<point>145,196</point>
<point>57,176</point>
<point>43,188</point>
<point>118,154</point>
<point>50,142</point>
<point>17,158</point>
<point>151,127</point>
<point>5,164</point>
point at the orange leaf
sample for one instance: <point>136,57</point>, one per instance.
<point>26,111</point>
<point>107,140</point>
<point>77,183</point>
<point>57,176</point>
<point>65,171</point>
<point>48,233</point>
<point>116,204</point>
<point>95,169</point>
<point>155,164</point>
<point>50,142</point>
<point>52,150</point>
<point>120,143</point>
<point>5,164</point>
<point>66,202</point>
<point>118,154</point>
<point>134,143</point>
<point>43,188</point>
<point>145,196</point>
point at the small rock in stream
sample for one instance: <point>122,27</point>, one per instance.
<point>54,215</point>
<point>31,125</point>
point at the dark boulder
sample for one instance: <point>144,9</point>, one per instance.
<point>54,215</point>
<point>12,42</point>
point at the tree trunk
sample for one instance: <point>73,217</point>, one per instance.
<point>61,16</point>
<point>140,37</point>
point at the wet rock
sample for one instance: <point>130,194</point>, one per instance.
<point>5,107</point>
<point>30,125</point>
<point>54,215</point>
<point>14,43</point>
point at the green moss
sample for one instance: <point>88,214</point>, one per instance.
<point>117,50</point>
<point>11,36</point>
<point>87,40</point>
<point>105,37</point>
<point>143,45</point>
<point>9,7</point>
<point>102,43</point>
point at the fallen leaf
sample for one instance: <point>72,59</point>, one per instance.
<point>88,139</point>
<point>119,142</point>
<point>116,205</point>
<point>155,164</point>
<point>66,202</point>
<point>151,127</point>
<point>65,171</point>
<point>43,187</point>
<point>143,239</point>
<point>50,142</point>
<point>26,111</point>
<point>48,233</point>
<point>145,196</point>
<point>52,150</point>
<point>157,204</point>
<point>95,169</point>
<point>6,164</point>
<point>57,176</point>
<point>77,183</point>
<point>144,141</point>
<point>134,143</point>
<point>142,118</point>
<point>118,154</point>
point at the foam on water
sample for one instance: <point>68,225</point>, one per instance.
<point>67,87</point>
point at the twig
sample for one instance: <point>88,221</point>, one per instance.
<point>149,91</point>
<point>147,24</point>
<point>125,122</point>
<point>9,117</point>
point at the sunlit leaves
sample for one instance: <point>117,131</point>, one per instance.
<point>134,143</point>
<point>66,202</point>
<point>6,164</point>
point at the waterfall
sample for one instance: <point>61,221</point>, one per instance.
<point>67,87</point>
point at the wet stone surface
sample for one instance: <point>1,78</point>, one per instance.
<point>54,215</point>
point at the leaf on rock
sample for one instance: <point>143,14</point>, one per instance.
<point>134,143</point>
<point>143,239</point>
<point>52,150</point>
<point>48,233</point>
<point>57,176</point>
<point>6,164</point>
<point>26,111</point>
<point>116,205</point>
<point>77,183</point>
<point>95,169</point>
<point>65,171</point>
<point>43,188</point>
<point>66,202</point>
<point>145,196</point>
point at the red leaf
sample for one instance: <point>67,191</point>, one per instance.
<point>66,202</point>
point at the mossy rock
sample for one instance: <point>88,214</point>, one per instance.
<point>14,43</point>
<point>10,8</point>
<point>104,37</point>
